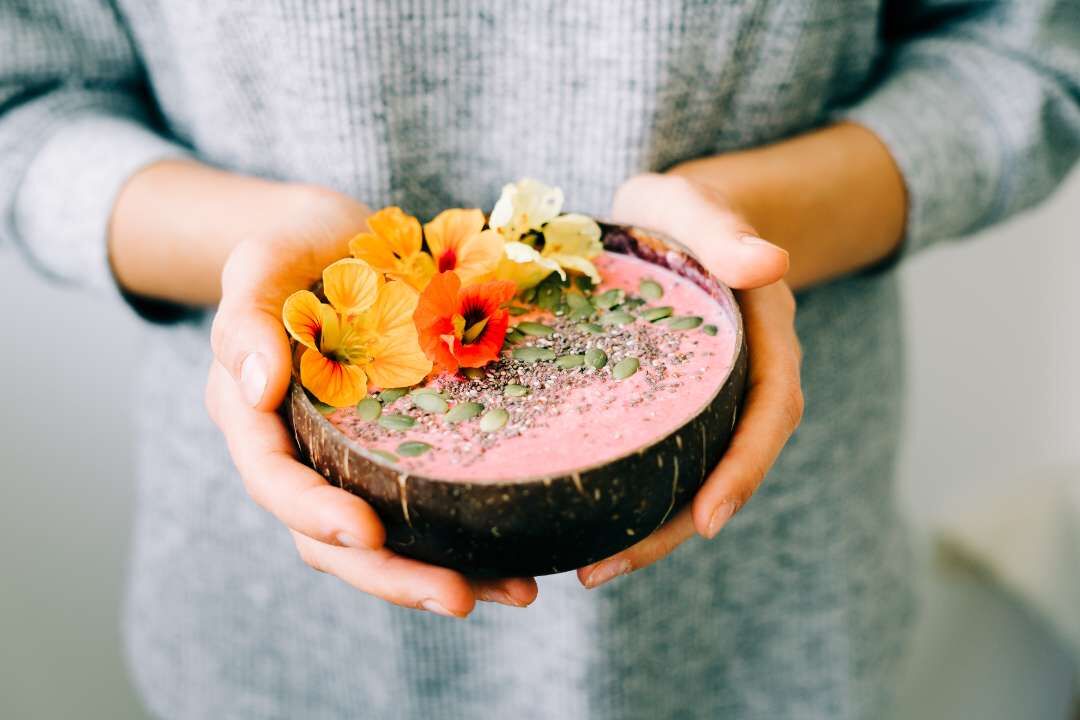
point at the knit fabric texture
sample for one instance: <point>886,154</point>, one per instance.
<point>800,608</point>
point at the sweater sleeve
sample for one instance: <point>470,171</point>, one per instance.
<point>75,123</point>
<point>979,103</point>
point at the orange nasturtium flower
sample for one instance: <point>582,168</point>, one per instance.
<point>458,242</point>
<point>462,327</point>
<point>365,335</point>
<point>395,247</point>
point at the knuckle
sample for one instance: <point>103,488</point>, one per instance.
<point>311,557</point>
<point>794,406</point>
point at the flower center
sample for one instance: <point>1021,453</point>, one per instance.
<point>534,239</point>
<point>448,260</point>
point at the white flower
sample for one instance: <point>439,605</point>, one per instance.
<point>528,208</point>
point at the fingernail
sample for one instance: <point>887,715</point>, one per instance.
<point>253,378</point>
<point>435,607</point>
<point>497,596</point>
<point>347,540</point>
<point>719,518</point>
<point>607,571</point>
<point>754,240</point>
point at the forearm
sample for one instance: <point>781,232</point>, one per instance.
<point>175,222</point>
<point>833,198</point>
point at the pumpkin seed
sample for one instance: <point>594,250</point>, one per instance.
<point>584,282</point>
<point>570,361</point>
<point>463,411</point>
<point>625,368</point>
<point>535,328</point>
<point>617,317</point>
<point>533,354</point>
<point>577,301</point>
<point>657,313</point>
<point>513,336</point>
<point>396,422</point>
<point>494,419</point>
<point>609,298</point>
<point>529,295</point>
<point>384,454</point>
<point>651,290</point>
<point>683,322</point>
<point>630,304</point>
<point>473,373</point>
<point>515,390</point>
<point>549,296</point>
<point>596,358</point>
<point>581,314</point>
<point>389,395</point>
<point>591,328</point>
<point>708,329</point>
<point>430,402</point>
<point>323,407</point>
<point>412,448</point>
<point>369,409</point>
<point>517,310</point>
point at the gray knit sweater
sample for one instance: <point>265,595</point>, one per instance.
<point>799,609</point>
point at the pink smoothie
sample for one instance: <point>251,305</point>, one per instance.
<point>572,419</point>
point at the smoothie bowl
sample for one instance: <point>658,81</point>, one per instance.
<point>610,395</point>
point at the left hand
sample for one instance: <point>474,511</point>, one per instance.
<point>730,249</point>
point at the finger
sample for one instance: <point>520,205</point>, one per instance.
<point>248,337</point>
<point>517,592</point>
<point>698,217</point>
<point>265,456</point>
<point>772,408</point>
<point>657,545</point>
<point>393,578</point>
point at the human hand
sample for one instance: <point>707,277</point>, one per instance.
<point>730,249</point>
<point>334,531</point>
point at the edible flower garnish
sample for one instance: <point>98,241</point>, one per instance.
<point>462,326</point>
<point>458,242</point>
<point>395,247</point>
<point>539,241</point>
<point>365,335</point>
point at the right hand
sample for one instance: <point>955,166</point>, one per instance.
<point>334,531</point>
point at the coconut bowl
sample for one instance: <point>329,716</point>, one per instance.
<point>541,524</point>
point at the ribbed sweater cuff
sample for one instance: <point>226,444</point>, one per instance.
<point>64,203</point>
<point>944,140</point>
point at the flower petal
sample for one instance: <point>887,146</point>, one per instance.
<point>523,206</point>
<point>334,383</point>
<point>572,235</point>
<point>400,231</point>
<point>438,301</point>
<point>398,361</point>
<point>449,230</point>
<point>479,256</point>
<point>524,266</point>
<point>375,251</point>
<point>487,347</point>
<point>303,318</point>
<point>393,308</point>
<point>416,271</point>
<point>577,264</point>
<point>351,286</point>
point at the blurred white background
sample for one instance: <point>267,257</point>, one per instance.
<point>994,405</point>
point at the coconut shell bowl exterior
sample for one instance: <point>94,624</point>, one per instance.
<point>541,524</point>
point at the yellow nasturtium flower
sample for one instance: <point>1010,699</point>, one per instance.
<point>365,335</point>
<point>458,242</point>
<point>539,240</point>
<point>395,247</point>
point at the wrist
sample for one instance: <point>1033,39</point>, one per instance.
<point>174,222</point>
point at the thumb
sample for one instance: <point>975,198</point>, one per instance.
<point>700,218</point>
<point>248,337</point>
